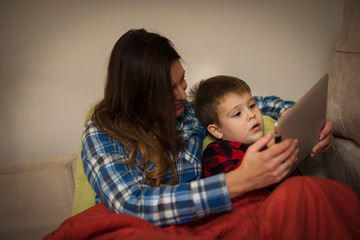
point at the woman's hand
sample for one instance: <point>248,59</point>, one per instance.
<point>260,169</point>
<point>325,140</point>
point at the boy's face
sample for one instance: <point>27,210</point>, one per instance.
<point>240,119</point>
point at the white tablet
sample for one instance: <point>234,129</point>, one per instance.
<point>306,119</point>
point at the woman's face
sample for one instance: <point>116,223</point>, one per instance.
<point>179,84</point>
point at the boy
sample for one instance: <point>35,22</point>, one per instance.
<point>225,106</point>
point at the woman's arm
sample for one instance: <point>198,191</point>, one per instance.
<point>123,189</point>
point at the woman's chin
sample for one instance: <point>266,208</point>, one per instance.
<point>179,111</point>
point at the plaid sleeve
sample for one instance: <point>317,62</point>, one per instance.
<point>193,134</point>
<point>221,157</point>
<point>123,190</point>
<point>272,106</point>
<point>188,124</point>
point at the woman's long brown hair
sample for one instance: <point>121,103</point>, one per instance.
<point>138,104</point>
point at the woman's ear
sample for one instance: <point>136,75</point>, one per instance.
<point>215,131</point>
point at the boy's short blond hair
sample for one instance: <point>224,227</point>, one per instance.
<point>209,93</point>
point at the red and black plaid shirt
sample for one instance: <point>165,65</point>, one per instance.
<point>223,156</point>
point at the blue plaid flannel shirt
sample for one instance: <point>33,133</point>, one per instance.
<point>123,189</point>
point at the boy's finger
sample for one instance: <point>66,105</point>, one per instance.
<point>327,129</point>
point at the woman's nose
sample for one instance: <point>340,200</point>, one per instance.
<point>180,93</point>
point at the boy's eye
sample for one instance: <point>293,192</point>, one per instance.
<point>252,106</point>
<point>237,114</point>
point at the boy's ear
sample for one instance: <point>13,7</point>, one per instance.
<point>215,131</point>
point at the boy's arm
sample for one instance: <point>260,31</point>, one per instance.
<point>273,106</point>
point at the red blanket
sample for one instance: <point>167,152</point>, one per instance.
<point>299,208</point>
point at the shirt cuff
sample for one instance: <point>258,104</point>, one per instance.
<point>210,195</point>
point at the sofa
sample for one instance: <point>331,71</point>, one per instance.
<point>342,161</point>
<point>39,193</point>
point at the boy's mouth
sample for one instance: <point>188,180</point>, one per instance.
<point>256,127</point>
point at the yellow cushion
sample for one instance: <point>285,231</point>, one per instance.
<point>84,196</point>
<point>268,125</point>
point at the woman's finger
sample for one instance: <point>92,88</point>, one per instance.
<point>286,150</point>
<point>261,143</point>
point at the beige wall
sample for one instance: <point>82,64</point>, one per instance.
<point>53,55</point>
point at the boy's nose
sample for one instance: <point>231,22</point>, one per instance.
<point>251,115</point>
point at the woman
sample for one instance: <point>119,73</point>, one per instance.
<point>141,148</point>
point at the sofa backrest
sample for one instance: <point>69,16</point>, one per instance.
<point>344,78</point>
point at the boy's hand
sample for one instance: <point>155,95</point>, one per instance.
<point>325,140</point>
